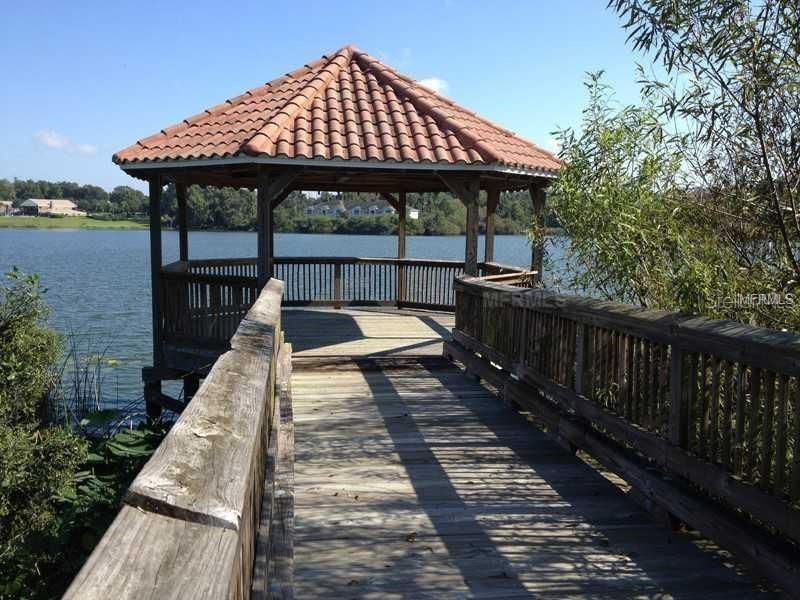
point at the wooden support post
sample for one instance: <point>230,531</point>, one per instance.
<point>401,248</point>
<point>183,221</point>
<point>272,190</point>
<point>271,241</point>
<point>263,226</point>
<point>537,191</point>
<point>467,190</point>
<point>401,225</point>
<point>153,390</point>
<point>492,200</point>
<point>471,250</point>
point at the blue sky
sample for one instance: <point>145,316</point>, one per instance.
<point>85,79</point>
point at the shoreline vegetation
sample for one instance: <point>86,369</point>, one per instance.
<point>29,222</point>
<point>25,222</point>
<point>229,209</point>
<point>66,456</point>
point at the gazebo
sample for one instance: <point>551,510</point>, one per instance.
<point>344,122</point>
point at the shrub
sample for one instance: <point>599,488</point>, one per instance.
<point>37,462</point>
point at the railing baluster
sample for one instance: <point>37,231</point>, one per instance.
<point>767,428</point>
<point>753,423</point>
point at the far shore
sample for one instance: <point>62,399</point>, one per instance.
<point>24,222</point>
<point>29,222</point>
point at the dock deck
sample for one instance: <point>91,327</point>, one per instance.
<point>415,481</point>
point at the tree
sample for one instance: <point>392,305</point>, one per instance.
<point>6,190</point>
<point>24,190</point>
<point>731,83</point>
<point>635,234</point>
<point>126,200</point>
<point>197,207</point>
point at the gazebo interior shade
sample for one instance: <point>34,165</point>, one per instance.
<point>349,122</point>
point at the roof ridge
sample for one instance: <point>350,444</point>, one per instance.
<point>406,85</point>
<point>265,140</point>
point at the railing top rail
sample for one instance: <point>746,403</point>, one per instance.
<point>764,348</point>
<point>503,268</point>
<point>176,267</point>
<point>221,262</point>
<point>211,278</point>
<point>366,259</point>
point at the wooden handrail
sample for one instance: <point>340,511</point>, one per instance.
<point>713,403</point>
<point>493,267</point>
<point>728,340</point>
<point>190,520</point>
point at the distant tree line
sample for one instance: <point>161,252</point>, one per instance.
<point>440,213</point>
<point>235,209</point>
<point>123,200</point>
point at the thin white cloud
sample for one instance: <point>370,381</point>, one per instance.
<point>437,84</point>
<point>86,149</point>
<point>50,138</point>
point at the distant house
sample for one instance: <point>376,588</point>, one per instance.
<point>318,210</point>
<point>327,210</point>
<point>6,208</point>
<point>45,207</point>
<point>372,209</point>
<point>413,213</point>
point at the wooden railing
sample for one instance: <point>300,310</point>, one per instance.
<point>203,301</point>
<point>204,305</point>
<point>713,404</point>
<point>198,520</point>
<point>354,281</point>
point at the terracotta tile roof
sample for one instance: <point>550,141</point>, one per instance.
<point>345,106</point>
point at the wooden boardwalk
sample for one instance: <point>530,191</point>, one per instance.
<point>414,481</point>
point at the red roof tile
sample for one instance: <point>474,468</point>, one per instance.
<point>345,106</point>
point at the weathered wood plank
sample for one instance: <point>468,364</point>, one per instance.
<point>148,555</point>
<point>185,478</point>
<point>399,495</point>
<point>281,580</point>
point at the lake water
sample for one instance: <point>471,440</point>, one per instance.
<point>98,282</point>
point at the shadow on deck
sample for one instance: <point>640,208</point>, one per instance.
<point>414,481</point>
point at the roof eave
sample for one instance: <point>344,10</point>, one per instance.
<point>339,164</point>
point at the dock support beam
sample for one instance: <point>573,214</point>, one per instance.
<point>537,191</point>
<point>183,221</point>
<point>492,200</point>
<point>152,390</point>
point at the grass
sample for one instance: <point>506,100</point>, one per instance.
<point>67,223</point>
